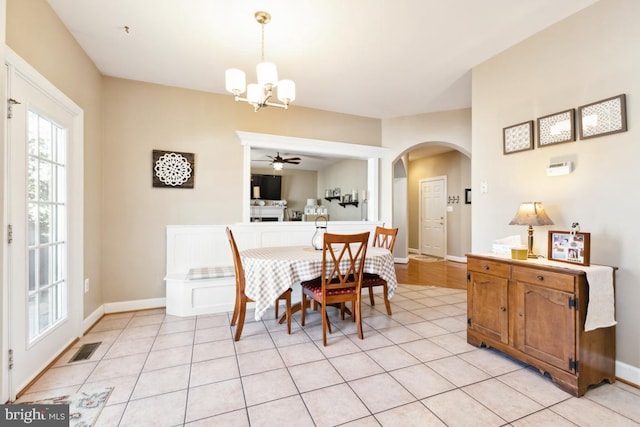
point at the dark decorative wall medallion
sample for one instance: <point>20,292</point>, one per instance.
<point>173,169</point>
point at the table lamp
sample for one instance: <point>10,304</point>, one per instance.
<point>531,213</point>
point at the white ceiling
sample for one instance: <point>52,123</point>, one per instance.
<point>373,58</point>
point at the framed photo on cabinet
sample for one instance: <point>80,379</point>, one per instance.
<point>566,246</point>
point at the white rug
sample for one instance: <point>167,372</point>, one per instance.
<point>84,407</point>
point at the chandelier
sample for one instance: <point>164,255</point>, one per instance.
<point>259,94</point>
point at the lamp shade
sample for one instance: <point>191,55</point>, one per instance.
<point>267,74</point>
<point>286,91</point>
<point>235,81</point>
<point>531,213</point>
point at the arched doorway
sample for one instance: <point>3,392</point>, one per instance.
<point>428,160</point>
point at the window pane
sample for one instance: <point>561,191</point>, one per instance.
<point>32,181</point>
<point>44,181</point>
<point>33,134</point>
<point>58,264</point>
<point>32,216</point>
<point>45,131</point>
<point>32,272</point>
<point>44,266</point>
<point>44,221</point>
<point>44,310</point>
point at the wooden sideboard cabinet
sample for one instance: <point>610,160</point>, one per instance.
<point>536,313</point>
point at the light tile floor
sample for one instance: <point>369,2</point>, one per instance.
<point>413,368</point>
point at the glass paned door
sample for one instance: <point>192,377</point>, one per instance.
<point>46,195</point>
<point>44,158</point>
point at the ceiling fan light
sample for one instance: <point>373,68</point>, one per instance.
<point>267,74</point>
<point>254,93</point>
<point>286,91</point>
<point>235,81</point>
<point>278,166</point>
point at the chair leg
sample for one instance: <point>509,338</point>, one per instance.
<point>236,310</point>
<point>371,296</point>
<point>325,321</point>
<point>241,316</point>
<point>358,318</point>
<point>303,308</point>
<point>277,308</point>
<point>385,291</point>
<point>288,307</point>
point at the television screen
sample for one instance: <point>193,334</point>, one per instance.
<point>270,187</point>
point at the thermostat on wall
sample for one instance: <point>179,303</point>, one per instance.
<point>560,168</point>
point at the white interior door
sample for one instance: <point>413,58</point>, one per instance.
<point>433,224</point>
<point>45,274</point>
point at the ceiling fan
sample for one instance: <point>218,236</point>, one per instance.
<point>278,162</point>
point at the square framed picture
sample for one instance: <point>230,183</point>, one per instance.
<point>566,246</point>
<point>172,169</point>
<point>518,137</point>
<point>603,117</point>
<point>556,128</point>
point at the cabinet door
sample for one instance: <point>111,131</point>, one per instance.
<point>546,324</point>
<point>487,306</point>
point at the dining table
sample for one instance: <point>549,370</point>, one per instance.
<point>269,271</point>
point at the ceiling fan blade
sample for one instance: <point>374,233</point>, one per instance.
<point>293,162</point>
<point>293,158</point>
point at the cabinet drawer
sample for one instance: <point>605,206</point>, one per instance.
<point>549,279</point>
<point>495,268</point>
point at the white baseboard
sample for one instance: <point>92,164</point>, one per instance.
<point>141,304</point>
<point>628,373</point>
<point>91,319</point>
<point>116,307</point>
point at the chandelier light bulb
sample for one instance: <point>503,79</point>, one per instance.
<point>260,94</point>
<point>235,81</point>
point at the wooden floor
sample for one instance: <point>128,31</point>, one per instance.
<point>445,274</point>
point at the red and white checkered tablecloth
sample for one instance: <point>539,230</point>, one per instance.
<point>271,271</point>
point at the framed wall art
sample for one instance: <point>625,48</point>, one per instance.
<point>172,169</point>
<point>571,247</point>
<point>556,128</point>
<point>603,117</point>
<point>518,137</point>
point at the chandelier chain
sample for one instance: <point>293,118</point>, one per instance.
<point>262,52</point>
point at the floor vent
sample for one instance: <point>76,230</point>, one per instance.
<point>85,352</point>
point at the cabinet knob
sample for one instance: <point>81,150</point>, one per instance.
<point>503,308</point>
<point>485,267</point>
<point>540,278</point>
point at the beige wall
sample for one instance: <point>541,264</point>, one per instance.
<point>124,121</point>
<point>140,117</point>
<point>348,175</point>
<point>297,185</point>
<point>590,56</point>
<point>403,134</point>
<point>457,168</point>
<point>36,34</point>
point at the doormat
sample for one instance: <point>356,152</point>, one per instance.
<point>425,258</point>
<point>84,407</point>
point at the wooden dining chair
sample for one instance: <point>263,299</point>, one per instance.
<point>341,279</point>
<point>383,238</point>
<point>240,308</point>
